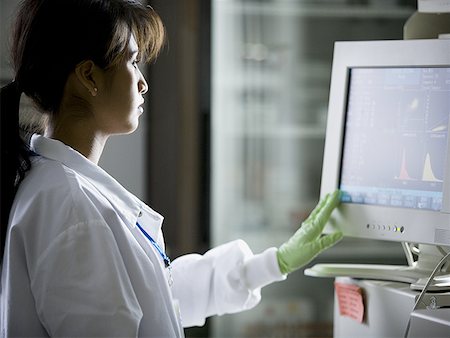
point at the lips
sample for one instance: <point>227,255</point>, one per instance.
<point>141,107</point>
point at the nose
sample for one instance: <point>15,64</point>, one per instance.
<point>142,84</point>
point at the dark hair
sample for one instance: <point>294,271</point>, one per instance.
<point>50,37</point>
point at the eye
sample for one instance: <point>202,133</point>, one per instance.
<point>135,61</point>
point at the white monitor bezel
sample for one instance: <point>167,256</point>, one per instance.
<point>374,221</point>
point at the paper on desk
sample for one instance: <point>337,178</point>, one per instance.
<point>350,300</point>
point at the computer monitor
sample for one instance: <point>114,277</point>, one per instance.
<point>387,145</point>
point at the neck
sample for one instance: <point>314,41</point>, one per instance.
<point>80,136</point>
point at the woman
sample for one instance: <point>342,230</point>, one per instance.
<point>81,255</point>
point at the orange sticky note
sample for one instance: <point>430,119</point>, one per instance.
<point>350,300</point>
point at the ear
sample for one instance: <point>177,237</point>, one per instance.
<point>85,74</point>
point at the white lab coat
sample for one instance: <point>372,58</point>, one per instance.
<point>76,264</point>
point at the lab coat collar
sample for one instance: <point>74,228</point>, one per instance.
<point>128,206</point>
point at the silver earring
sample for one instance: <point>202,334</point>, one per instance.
<point>95,91</point>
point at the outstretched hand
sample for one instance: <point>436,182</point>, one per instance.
<point>308,242</point>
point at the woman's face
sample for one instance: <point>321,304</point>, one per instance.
<point>121,95</point>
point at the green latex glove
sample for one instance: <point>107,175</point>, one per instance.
<point>307,241</point>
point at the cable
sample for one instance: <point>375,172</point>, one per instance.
<point>408,253</point>
<point>441,250</point>
<point>415,249</point>
<point>425,288</point>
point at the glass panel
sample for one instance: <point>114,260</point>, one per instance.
<point>271,75</point>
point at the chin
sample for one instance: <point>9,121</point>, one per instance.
<point>131,127</point>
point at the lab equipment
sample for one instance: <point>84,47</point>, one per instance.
<point>307,242</point>
<point>430,21</point>
<point>387,307</point>
<point>386,148</point>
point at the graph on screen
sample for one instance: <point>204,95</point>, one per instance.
<point>427,173</point>
<point>396,136</point>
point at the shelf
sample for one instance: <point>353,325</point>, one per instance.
<point>296,132</point>
<point>274,80</point>
<point>346,11</point>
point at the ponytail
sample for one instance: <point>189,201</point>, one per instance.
<point>14,154</point>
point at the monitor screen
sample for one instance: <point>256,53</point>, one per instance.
<point>395,137</point>
<point>387,142</point>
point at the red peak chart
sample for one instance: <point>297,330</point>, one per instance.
<point>396,136</point>
<point>427,173</point>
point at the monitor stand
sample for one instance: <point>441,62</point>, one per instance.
<point>416,274</point>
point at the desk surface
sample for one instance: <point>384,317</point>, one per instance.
<point>430,323</point>
<point>388,307</point>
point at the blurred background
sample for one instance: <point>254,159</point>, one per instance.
<point>231,142</point>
